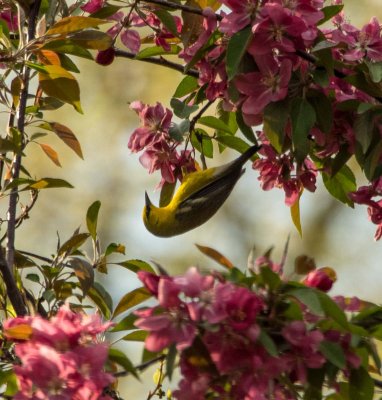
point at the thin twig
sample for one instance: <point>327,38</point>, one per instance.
<point>158,61</point>
<point>141,367</point>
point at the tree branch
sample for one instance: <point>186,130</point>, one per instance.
<point>13,291</point>
<point>158,61</point>
<point>176,6</point>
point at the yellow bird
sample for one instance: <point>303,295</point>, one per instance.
<point>198,198</point>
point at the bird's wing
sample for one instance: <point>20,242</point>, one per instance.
<point>209,198</point>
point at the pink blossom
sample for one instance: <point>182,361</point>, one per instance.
<point>169,327</point>
<point>155,122</point>
<point>321,278</point>
<point>10,18</point>
<point>278,29</point>
<point>131,39</point>
<point>61,358</point>
<point>92,6</point>
<point>268,85</point>
<point>366,42</point>
<point>242,13</point>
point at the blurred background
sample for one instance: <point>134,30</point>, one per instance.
<point>333,234</point>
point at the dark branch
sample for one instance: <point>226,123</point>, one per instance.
<point>158,61</point>
<point>176,6</point>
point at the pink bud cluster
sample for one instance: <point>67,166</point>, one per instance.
<point>159,148</point>
<point>61,358</point>
<point>221,330</point>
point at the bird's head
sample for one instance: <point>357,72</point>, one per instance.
<point>150,217</point>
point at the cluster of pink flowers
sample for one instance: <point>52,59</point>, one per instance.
<point>366,195</point>
<point>220,329</point>
<point>160,149</point>
<point>60,358</point>
<point>279,170</point>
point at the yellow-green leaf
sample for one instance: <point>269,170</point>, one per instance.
<point>92,39</point>
<point>295,214</point>
<point>51,153</point>
<point>19,332</point>
<point>132,299</point>
<point>75,23</point>
<point>216,256</point>
<point>56,82</point>
<point>16,86</point>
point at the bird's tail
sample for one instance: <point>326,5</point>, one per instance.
<point>247,155</point>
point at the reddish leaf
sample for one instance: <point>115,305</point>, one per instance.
<point>52,154</point>
<point>216,256</point>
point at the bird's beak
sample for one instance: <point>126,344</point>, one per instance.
<point>147,200</point>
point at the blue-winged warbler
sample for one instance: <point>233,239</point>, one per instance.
<point>198,198</point>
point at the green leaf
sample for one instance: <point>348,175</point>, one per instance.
<point>361,385</point>
<point>131,299</point>
<point>332,310</point>
<point>125,324</point>
<point>170,361</point>
<point>215,123</point>
<point>33,277</point>
<point>334,353</point>
<point>84,272</point>
<point>303,118</point>
<point>48,183</point>
<point>8,378</point>
<point>166,193</point>
<point>177,131</point>
<point>136,336</point>
<point>364,127</point>
<point>136,265</point>
<point>55,81</point>
<point>308,297</point>
<point>268,343</point>
<point>120,358</point>
<point>340,185</point>
<point>244,128</point>
<point>101,299</point>
<point>167,20</point>
<point>157,51</point>
<point>372,165</point>
<point>323,110</point>
<point>92,218</point>
<point>330,12</point>
<point>181,109</point>
<point>202,142</point>
<point>375,70</point>
<point>188,85</point>
<point>67,46</point>
<point>275,120</point>
<point>72,244</point>
<point>237,46</point>
<point>115,248</point>
<point>233,142</point>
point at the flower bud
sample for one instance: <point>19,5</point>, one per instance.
<point>105,57</point>
<point>322,278</point>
